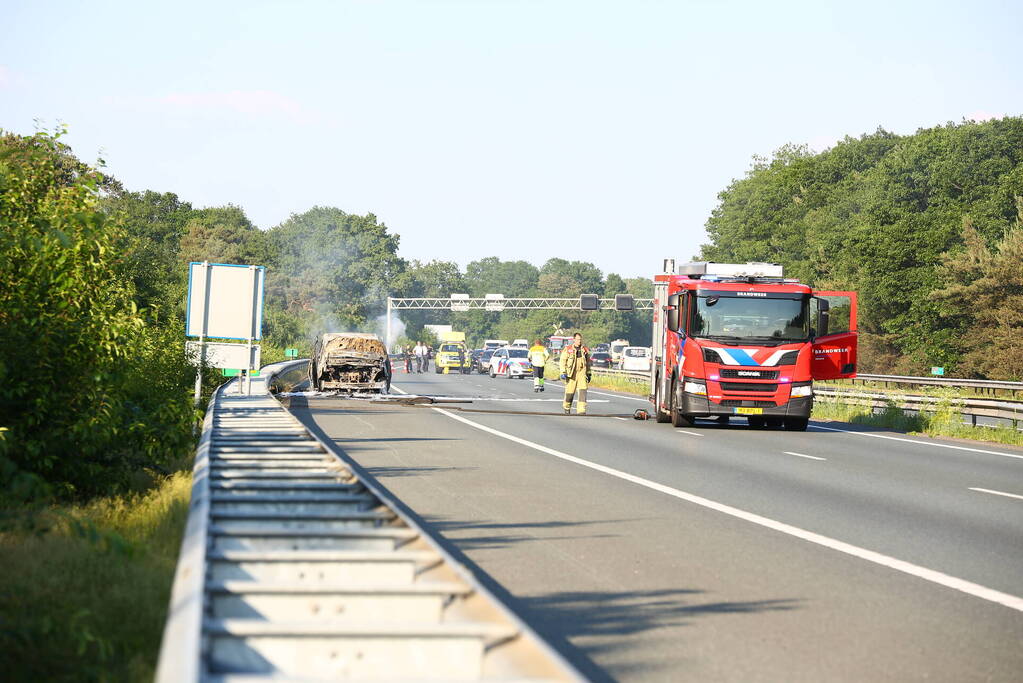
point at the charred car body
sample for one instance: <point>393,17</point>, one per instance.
<point>350,361</point>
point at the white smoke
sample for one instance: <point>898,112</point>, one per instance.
<point>397,330</point>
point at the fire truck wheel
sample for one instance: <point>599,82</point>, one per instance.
<point>796,424</point>
<point>677,418</point>
<point>659,414</point>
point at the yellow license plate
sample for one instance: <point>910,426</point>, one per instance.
<point>749,411</point>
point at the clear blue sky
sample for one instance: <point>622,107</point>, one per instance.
<point>522,129</point>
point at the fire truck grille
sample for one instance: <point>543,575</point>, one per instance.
<point>747,387</point>
<point>739,403</point>
<point>730,373</point>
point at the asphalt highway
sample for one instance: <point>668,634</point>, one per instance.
<point>645,552</point>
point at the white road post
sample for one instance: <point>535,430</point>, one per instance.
<point>252,331</point>
<point>202,331</point>
<point>387,334</point>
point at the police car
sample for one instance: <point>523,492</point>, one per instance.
<point>511,361</point>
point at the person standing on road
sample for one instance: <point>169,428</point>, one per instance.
<point>406,352</point>
<point>538,357</point>
<point>420,352</point>
<point>576,370</point>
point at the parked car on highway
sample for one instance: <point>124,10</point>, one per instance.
<point>481,363</point>
<point>511,361</point>
<point>606,348</point>
<point>601,359</point>
<point>636,358</point>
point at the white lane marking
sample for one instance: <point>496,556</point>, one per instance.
<point>962,585</point>
<point>997,493</point>
<point>630,398</point>
<point>803,455</point>
<point>619,418</point>
<point>682,431</point>
<point>922,443</point>
<point>541,400</point>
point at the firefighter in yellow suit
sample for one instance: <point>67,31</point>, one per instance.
<point>575,372</point>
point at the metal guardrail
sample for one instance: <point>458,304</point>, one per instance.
<point>1010,412</point>
<point>294,568</point>
<point>960,383</point>
<point>886,379</point>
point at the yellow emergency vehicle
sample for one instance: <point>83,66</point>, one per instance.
<point>452,355</point>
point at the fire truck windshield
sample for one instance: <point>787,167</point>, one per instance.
<point>750,317</point>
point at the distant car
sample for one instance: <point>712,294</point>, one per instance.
<point>601,359</point>
<point>636,358</point>
<point>602,348</point>
<point>482,361</point>
<point>511,361</point>
<point>616,350</point>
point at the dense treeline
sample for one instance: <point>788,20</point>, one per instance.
<point>926,227</point>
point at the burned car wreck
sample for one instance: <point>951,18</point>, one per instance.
<point>351,362</point>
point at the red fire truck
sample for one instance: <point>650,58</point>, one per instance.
<point>741,340</point>
<point>557,343</point>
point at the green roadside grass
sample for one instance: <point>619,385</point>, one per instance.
<point>944,422</point>
<point>86,598</point>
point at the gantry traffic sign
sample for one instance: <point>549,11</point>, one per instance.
<point>499,302</point>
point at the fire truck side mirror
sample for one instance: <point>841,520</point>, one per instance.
<point>672,313</point>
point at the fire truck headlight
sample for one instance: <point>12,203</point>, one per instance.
<point>698,388</point>
<point>803,390</point>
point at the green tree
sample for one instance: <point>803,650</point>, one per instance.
<point>154,223</point>
<point>334,267</point>
<point>494,276</point>
<point>982,300</point>
<point>90,394</point>
<point>224,235</point>
<point>431,279</point>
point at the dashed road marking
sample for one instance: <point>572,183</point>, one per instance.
<point>803,455</point>
<point>922,443</point>
<point>997,493</point>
